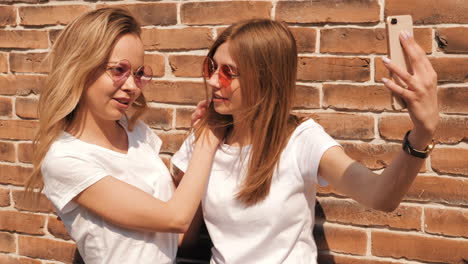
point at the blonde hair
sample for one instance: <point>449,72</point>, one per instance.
<point>266,56</point>
<point>77,59</point>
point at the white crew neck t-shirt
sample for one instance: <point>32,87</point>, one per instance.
<point>71,165</point>
<point>277,230</point>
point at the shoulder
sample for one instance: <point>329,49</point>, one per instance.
<point>308,127</point>
<point>142,132</point>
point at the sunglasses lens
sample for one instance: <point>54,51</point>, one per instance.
<point>120,71</point>
<point>209,67</point>
<point>143,76</point>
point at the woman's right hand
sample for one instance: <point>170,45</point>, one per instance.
<point>199,112</point>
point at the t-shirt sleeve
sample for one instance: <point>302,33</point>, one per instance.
<point>312,142</point>
<point>66,176</point>
<point>182,157</point>
<point>153,140</point>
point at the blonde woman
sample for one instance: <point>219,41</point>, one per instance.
<point>259,204</point>
<point>96,162</point>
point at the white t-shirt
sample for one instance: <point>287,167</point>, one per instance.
<point>277,230</point>
<point>72,165</point>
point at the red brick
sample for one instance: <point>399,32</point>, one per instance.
<point>184,118</point>
<point>371,155</point>
<point>350,212</point>
<point>53,35</point>
<point>451,130</point>
<point>333,69</point>
<point>151,13</point>
<point>7,242</point>
<point>25,203</point>
<point>417,247</point>
<point>346,126</point>
<point>172,142</point>
<point>21,84</point>
<point>15,175</point>
<point>228,12</point>
<point>186,65</point>
<point>380,70</point>
<point>341,239</point>
<point>344,96</point>
<point>450,160</point>
<point>5,107</point>
<point>305,38</point>
<point>157,64</point>
<point>166,160</point>
<point>10,259</point>
<point>17,129</point>
<point>450,69</point>
<point>307,97</point>
<point>452,40</point>
<point>25,152</point>
<point>177,39</point>
<point>3,62</point>
<point>7,16</point>
<point>4,197</point>
<point>43,248</point>
<point>50,15</point>
<point>337,40</point>
<point>23,1</point>
<point>26,107</point>
<point>28,62</point>
<point>57,228</point>
<point>453,100</point>
<point>424,11</point>
<point>445,221</point>
<point>7,152</point>
<point>159,118</point>
<point>23,39</point>
<point>324,258</point>
<point>175,92</point>
<point>447,190</point>
<point>22,222</point>
<point>334,11</point>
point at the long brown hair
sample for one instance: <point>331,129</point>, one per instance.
<point>266,56</point>
<point>76,59</point>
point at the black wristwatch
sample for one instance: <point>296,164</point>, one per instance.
<point>414,152</point>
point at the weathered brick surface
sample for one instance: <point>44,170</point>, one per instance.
<point>10,259</point>
<point>23,39</point>
<point>186,65</point>
<point>334,11</point>
<point>305,38</point>
<point>417,247</point>
<point>7,151</point>
<point>172,142</point>
<point>307,97</point>
<point>176,39</point>
<point>7,16</point>
<point>350,212</point>
<point>445,221</point>
<point>28,62</point>
<point>4,197</point>
<point>333,69</point>
<point>16,175</point>
<point>57,228</point>
<point>175,92</point>
<point>346,126</point>
<point>446,72</point>
<point>344,40</point>
<point>25,152</point>
<point>24,203</point>
<point>156,62</point>
<point>452,40</point>
<point>423,11</point>
<point>453,99</point>
<point>152,13</point>
<point>7,243</point>
<point>371,155</point>
<point>159,118</point>
<point>50,15</point>
<point>341,239</point>
<point>22,222</point>
<point>5,107</point>
<point>26,107</point>
<point>353,97</point>
<point>450,160</point>
<point>446,190</point>
<point>44,248</point>
<point>341,259</point>
<point>17,129</point>
<point>21,84</point>
<point>209,13</point>
<point>184,118</point>
<point>3,62</point>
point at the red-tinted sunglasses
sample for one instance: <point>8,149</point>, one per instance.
<point>225,75</point>
<point>119,72</point>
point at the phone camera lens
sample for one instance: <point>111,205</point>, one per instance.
<point>394,21</point>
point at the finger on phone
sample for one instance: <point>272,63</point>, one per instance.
<point>415,53</point>
<point>396,89</point>
<point>401,73</point>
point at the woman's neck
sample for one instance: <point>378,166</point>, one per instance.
<point>239,134</point>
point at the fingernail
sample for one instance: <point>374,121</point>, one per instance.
<point>386,60</point>
<point>406,34</point>
<point>384,80</point>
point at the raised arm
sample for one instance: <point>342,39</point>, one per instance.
<point>385,191</point>
<point>127,206</point>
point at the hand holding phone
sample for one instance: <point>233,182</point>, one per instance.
<point>395,25</point>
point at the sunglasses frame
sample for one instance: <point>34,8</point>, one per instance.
<point>139,81</point>
<point>225,72</point>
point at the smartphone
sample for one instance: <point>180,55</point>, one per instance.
<point>395,25</point>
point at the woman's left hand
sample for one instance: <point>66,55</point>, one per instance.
<point>421,92</point>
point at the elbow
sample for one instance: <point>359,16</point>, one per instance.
<point>386,205</point>
<point>179,226</point>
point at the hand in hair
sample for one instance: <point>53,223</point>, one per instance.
<point>199,112</point>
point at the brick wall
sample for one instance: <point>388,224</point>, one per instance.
<point>340,44</point>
